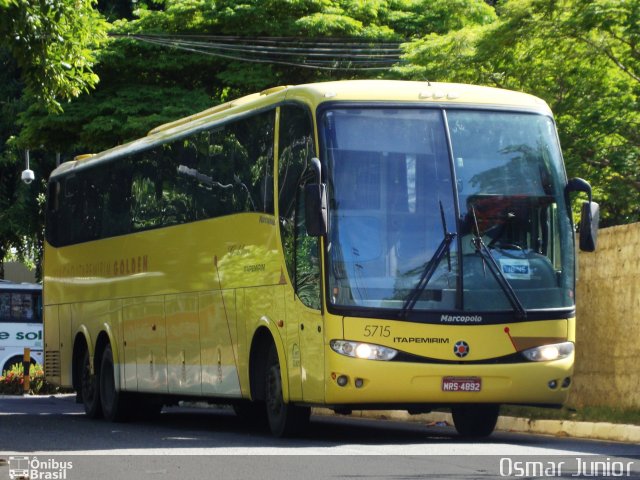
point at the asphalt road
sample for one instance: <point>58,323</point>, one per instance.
<point>48,432</point>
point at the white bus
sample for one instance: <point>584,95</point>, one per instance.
<point>20,322</point>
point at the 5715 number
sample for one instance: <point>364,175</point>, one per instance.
<point>377,331</point>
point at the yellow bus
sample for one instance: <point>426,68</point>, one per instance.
<point>353,245</point>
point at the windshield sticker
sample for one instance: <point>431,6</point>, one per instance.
<point>515,269</point>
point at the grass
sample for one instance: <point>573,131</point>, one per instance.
<point>583,414</point>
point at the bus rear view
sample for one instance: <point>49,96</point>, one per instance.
<point>20,323</point>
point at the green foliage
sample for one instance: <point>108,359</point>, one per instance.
<point>12,381</point>
<point>53,43</point>
<point>581,56</point>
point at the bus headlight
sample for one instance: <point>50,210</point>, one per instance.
<point>362,350</point>
<point>547,353</point>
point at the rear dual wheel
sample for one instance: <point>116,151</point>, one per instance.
<point>89,388</point>
<point>116,407</point>
<point>100,396</point>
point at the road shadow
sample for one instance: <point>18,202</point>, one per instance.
<point>57,423</point>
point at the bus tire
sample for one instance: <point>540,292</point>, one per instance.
<point>113,402</point>
<point>90,388</point>
<point>475,420</point>
<point>285,419</point>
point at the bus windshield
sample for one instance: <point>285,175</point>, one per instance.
<point>403,179</point>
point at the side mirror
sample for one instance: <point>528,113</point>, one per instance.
<point>589,219</point>
<point>315,203</point>
<point>589,215</point>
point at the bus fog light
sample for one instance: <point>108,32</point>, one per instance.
<point>553,384</point>
<point>358,382</point>
<point>566,382</point>
<point>365,351</point>
<point>342,380</point>
<point>547,353</point>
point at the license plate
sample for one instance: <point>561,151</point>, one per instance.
<point>461,384</point>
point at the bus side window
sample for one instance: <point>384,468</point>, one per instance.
<point>250,150</point>
<point>37,307</point>
<point>91,216</point>
<point>307,258</point>
<point>146,191</point>
<point>70,211</point>
<point>22,307</point>
<point>116,217</point>
<point>5,307</point>
<point>53,209</point>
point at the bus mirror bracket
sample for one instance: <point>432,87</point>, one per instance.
<point>589,215</point>
<point>315,202</point>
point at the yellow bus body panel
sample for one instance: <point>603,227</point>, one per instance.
<point>168,296</point>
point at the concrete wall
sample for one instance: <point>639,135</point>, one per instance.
<point>608,321</point>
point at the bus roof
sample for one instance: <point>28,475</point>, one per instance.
<point>13,286</point>
<point>314,94</point>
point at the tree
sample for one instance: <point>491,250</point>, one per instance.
<point>53,42</point>
<point>46,51</point>
<point>143,85</point>
<point>136,94</point>
<point>581,56</point>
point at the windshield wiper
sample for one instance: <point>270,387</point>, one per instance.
<point>430,268</point>
<point>494,268</point>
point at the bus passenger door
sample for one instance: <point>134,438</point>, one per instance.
<point>301,255</point>
<point>310,355</point>
<point>307,308</point>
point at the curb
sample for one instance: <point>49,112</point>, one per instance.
<point>560,428</point>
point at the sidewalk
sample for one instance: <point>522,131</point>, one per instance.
<point>561,428</point>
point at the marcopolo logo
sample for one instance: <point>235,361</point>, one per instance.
<point>461,319</point>
<point>35,469</point>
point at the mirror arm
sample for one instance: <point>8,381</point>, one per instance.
<point>578,185</point>
<point>317,169</point>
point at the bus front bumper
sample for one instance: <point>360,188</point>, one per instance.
<point>356,381</point>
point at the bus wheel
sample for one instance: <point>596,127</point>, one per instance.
<point>112,401</point>
<point>285,419</point>
<point>90,389</point>
<point>475,420</point>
